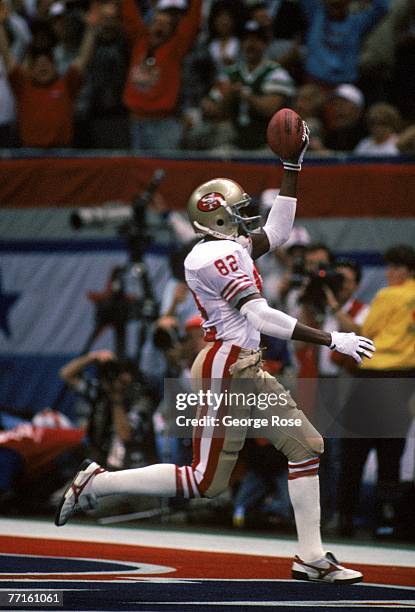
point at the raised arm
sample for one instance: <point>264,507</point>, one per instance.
<point>188,27</point>
<point>132,22</point>
<point>5,52</point>
<point>86,49</point>
<point>71,372</point>
<point>281,217</point>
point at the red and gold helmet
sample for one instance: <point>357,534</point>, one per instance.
<point>214,209</point>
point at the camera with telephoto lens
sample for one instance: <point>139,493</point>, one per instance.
<point>129,220</point>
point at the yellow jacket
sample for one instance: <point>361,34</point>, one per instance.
<point>390,323</point>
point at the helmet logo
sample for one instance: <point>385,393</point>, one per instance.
<point>210,201</point>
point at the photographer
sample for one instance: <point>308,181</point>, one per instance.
<point>177,306</point>
<point>304,264</point>
<point>343,313</point>
<point>337,309</point>
<point>119,421</point>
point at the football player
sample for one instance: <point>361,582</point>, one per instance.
<point>221,274</point>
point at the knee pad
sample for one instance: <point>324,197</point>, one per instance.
<point>308,448</point>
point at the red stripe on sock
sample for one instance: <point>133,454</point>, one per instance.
<point>294,475</point>
<point>179,483</point>
<point>304,463</point>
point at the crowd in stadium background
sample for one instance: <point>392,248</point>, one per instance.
<point>180,74</point>
<point>174,75</point>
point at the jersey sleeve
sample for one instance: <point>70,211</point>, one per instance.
<point>228,278</point>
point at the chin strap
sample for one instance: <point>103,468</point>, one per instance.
<point>214,233</point>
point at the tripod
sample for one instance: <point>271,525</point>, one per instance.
<point>114,307</point>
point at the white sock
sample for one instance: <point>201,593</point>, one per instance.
<point>158,479</point>
<point>305,498</point>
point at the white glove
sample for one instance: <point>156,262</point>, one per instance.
<point>352,345</point>
<point>296,165</point>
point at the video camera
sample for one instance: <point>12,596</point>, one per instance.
<point>314,283</point>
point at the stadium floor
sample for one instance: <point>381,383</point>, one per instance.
<point>153,569</point>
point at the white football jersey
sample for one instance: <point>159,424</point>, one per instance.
<point>220,273</point>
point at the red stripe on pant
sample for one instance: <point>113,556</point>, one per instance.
<point>206,375</point>
<point>217,441</point>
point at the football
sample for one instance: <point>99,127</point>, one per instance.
<point>284,134</point>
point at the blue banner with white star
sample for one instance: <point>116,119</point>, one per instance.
<point>49,294</point>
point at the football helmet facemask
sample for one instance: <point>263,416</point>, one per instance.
<point>214,209</point>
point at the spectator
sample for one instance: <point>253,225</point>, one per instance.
<point>344,313</point>
<point>67,27</point>
<point>154,78</point>
<point>219,48</point>
<point>376,64</point>
<point>18,36</point>
<point>309,104</point>
<point>251,91</point>
<point>224,29</point>
<point>45,101</point>
<point>285,23</point>
<point>334,37</point>
<point>345,124</point>
<point>403,88</point>
<point>379,404</point>
<point>384,124</point>
<point>104,117</point>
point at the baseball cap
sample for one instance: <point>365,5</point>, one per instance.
<point>350,92</point>
<point>56,9</point>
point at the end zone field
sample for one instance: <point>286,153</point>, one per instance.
<point>152,569</point>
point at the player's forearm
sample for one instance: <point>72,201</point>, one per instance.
<point>268,320</point>
<point>304,333</point>
<point>289,184</point>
